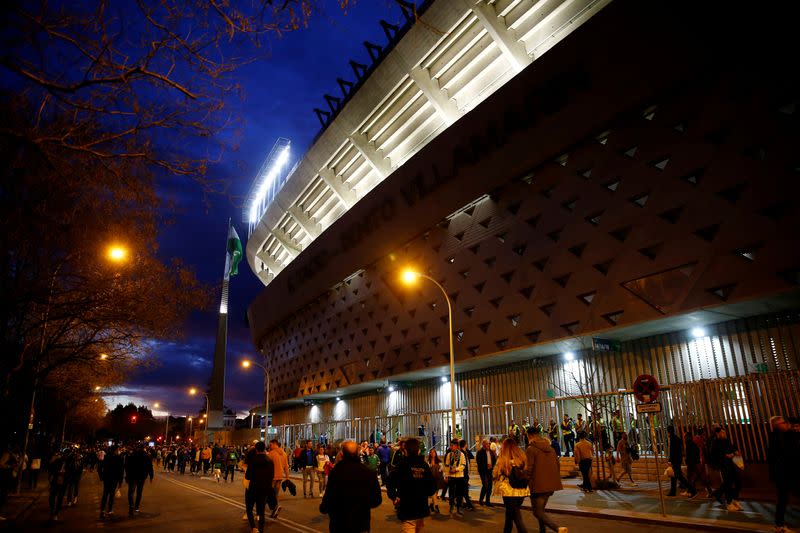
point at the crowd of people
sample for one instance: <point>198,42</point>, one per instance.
<point>515,467</point>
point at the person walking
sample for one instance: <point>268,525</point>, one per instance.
<point>306,462</point>
<point>111,472</point>
<point>486,459</point>
<point>511,483</point>
<point>435,465</point>
<point>410,486</point>
<point>259,477</point>
<point>384,454</point>
<point>625,459</point>
<point>205,456</point>
<point>454,465</point>
<point>722,452</point>
<point>280,463</point>
<point>352,492</point>
<point>138,467</point>
<point>74,462</point>
<point>544,478</point>
<point>784,467</point>
<point>322,466</point>
<point>469,457</point>
<point>676,461</point>
<point>231,460</point>
<point>57,476</point>
<point>584,451</point>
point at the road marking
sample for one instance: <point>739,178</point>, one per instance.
<point>291,524</point>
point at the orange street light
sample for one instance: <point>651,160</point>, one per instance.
<point>246,363</point>
<point>97,387</point>
<point>103,356</point>
<point>410,276</point>
<point>117,253</point>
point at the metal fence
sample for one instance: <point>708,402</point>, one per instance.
<point>742,404</point>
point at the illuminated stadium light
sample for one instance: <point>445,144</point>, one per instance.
<point>268,182</point>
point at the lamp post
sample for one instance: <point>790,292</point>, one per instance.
<point>192,392</point>
<point>191,426</point>
<point>166,430</point>
<point>246,364</point>
<point>410,277</point>
<point>116,254</point>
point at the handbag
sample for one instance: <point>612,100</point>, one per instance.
<point>738,460</point>
<point>669,472</point>
<point>518,478</point>
<point>327,468</point>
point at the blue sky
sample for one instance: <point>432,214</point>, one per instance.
<point>280,93</point>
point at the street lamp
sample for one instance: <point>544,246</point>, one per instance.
<point>410,277</point>
<point>166,431</point>
<point>246,364</point>
<point>117,253</point>
<point>193,391</point>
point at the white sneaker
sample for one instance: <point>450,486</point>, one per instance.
<point>737,505</point>
<point>731,507</point>
<point>685,493</point>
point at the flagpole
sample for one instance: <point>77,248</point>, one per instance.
<point>217,396</point>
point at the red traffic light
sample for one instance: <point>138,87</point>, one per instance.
<point>133,419</point>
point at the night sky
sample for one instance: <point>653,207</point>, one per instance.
<point>280,93</point>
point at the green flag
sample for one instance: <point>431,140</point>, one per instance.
<point>234,254</point>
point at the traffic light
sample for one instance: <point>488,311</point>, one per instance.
<point>133,419</point>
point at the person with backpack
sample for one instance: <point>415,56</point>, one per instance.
<point>511,483</point>
<point>453,467</point>
<point>231,459</point>
<point>544,478</point>
<point>410,486</point>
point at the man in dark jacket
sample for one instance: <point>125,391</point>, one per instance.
<point>784,468</point>
<point>138,467</point>
<point>352,491</point>
<point>676,460</point>
<point>307,461</point>
<point>260,473</point>
<point>486,459</point>
<point>410,486</point>
<point>111,472</point>
<point>384,454</point>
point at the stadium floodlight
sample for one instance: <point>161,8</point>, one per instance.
<point>267,178</point>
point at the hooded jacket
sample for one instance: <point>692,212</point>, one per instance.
<point>412,481</point>
<point>352,491</point>
<point>544,470</point>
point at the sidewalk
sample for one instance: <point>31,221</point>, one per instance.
<point>19,504</point>
<point>642,505</point>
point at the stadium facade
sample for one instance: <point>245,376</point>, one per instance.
<point>604,189</point>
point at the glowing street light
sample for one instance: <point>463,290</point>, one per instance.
<point>103,356</point>
<point>117,253</point>
<point>247,364</point>
<point>193,391</point>
<point>97,388</point>
<point>410,277</point>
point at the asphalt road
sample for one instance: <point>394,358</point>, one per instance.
<point>186,503</point>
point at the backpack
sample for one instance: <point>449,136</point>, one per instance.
<point>634,451</point>
<point>518,477</point>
